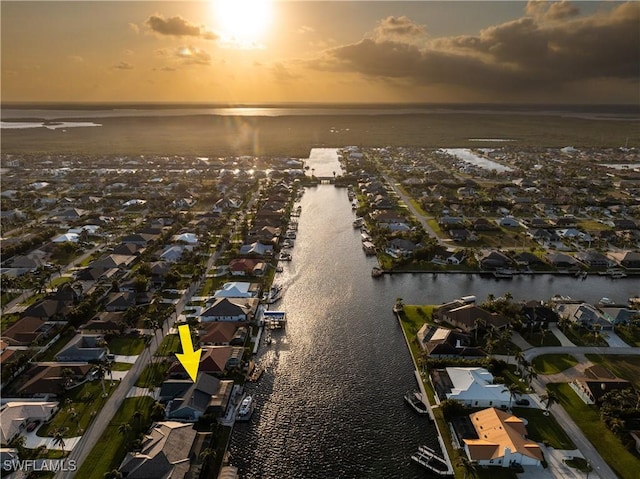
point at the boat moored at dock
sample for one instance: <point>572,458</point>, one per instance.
<point>428,459</point>
<point>247,406</point>
<point>414,399</point>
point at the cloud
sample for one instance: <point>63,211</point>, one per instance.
<point>76,58</point>
<point>192,56</point>
<point>134,27</point>
<point>399,29</point>
<point>305,29</point>
<point>552,11</point>
<point>282,74</point>
<point>178,27</point>
<point>529,53</point>
<point>123,66</point>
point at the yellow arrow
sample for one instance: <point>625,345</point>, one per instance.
<point>189,358</point>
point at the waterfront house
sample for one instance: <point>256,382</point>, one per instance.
<point>501,440</point>
<point>166,452</point>
<point>446,343</point>
<point>464,317</point>
<point>247,267</point>
<point>585,315</point>
<point>594,259</point>
<point>188,400</point>
<point>472,386</point>
<point>238,289</point>
<point>214,360</point>
<point>561,260</point>
<point>231,309</point>
<point>494,260</point>
<point>256,249</point>
<point>218,334</point>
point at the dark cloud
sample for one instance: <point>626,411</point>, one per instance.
<point>178,27</point>
<point>528,53</point>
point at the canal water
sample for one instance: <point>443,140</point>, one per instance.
<point>330,404</point>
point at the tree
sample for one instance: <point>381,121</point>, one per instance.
<point>102,369</point>
<point>208,454</point>
<point>549,397</point>
<point>514,390</point>
<point>469,467</point>
<point>58,438</point>
<point>124,429</point>
<point>114,474</point>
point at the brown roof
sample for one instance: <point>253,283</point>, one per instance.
<point>218,333</point>
<point>467,315</point>
<point>26,331</point>
<point>496,431</point>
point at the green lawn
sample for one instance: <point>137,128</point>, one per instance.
<point>626,367</point>
<point>109,451</point>
<point>153,374</point>
<point>582,337</point>
<point>60,280</point>
<point>541,428</point>
<point>169,345</point>
<point>588,420</point>
<point>121,366</point>
<point>553,363</point>
<point>629,334</point>
<point>86,401</point>
<point>126,345</point>
<point>65,337</point>
<point>536,339</point>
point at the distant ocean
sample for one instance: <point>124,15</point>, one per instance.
<point>77,111</point>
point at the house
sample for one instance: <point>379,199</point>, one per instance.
<point>140,239</point>
<point>213,360</point>
<point>120,301</point>
<point>256,249</point>
<point>461,234</point>
<point>166,452</point>
<point>561,260</point>
<point>188,400</point>
<point>525,258</point>
<point>594,259</point>
<point>456,258</point>
<point>51,379</point>
<point>231,309</point>
<point>218,334</point>
<point>402,247</point>
<point>509,222</point>
<point>596,382</point>
<point>483,224</point>
<point>83,348</point>
<point>446,343</point>
<point>172,254</point>
<point>237,289</point>
<point>105,323</point>
<point>584,314</point>
<point>631,260</point>
<point>188,238</point>
<point>114,261</point>
<point>247,267</point>
<point>472,386</point>
<point>14,417</point>
<point>494,260</point>
<point>501,440</point>
<point>465,317</point>
<point>26,331</point>
<point>47,309</point>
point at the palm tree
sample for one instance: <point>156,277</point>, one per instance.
<point>137,416</point>
<point>102,369</point>
<point>543,333</point>
<point>519,357</point>
<point>477,322</point>
<point>114,474</point>
<point>208,454</point>
<point>469,467</point>
<point>58,438</point>
<point>514,390</point>
<point>549,397</point>
<point>124,429</point>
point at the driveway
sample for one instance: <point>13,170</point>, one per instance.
<point>555,459</point>
<point>613,340</point>
<point>34,441</point>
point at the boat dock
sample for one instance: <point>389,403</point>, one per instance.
<point>428,459</point>
<point>274,319</point>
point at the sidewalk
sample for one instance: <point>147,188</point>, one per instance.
<point>564,341</point>
<point>518,340</point>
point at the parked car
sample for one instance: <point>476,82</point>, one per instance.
<point>32,425</point>
<point>523,402</point>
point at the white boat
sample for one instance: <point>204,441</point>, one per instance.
<point>428,459</point>
<point>246,409</point>
<point>358,222</point>
<point>414,399</point>
<point>284,256</point>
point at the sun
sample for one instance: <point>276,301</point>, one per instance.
<point>244,22</point>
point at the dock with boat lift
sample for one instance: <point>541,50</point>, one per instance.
<point>274,319</point>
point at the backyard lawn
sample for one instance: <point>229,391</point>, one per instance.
<point>153,374</point>
<point>553,363</point>
<point>588,420</point>
<point>126,345</point>
<point>169,346</point>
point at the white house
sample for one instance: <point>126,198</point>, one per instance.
<point>14,416</point>
<point>236,289</point>
<point>474,387</point>
<point>189,238</point>
<point>502,441</point>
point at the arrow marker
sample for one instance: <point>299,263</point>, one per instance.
<point>189,358</point>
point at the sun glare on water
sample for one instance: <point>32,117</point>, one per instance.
<point>243,22</point>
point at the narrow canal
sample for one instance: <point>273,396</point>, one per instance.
<point>330,404</point>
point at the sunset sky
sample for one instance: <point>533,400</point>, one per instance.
<point>257,51</point>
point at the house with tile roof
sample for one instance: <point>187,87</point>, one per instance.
<point>188,400</point>
<point>14,416</point>
<point>231,309</point>
<point>165,453</point>
<point>501,441</point>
